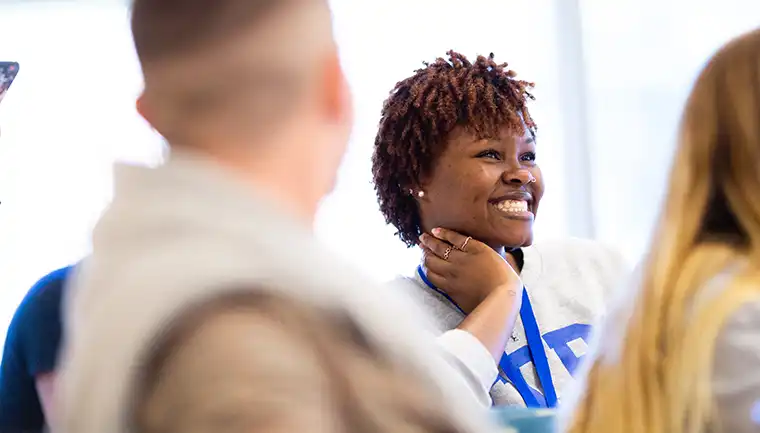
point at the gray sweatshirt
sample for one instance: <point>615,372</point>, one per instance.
<point>187,231</point>
<point>569,282</point>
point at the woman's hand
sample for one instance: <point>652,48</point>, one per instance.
<point>466,269</point>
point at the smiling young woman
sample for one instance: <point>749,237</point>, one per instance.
<point>456,173</point>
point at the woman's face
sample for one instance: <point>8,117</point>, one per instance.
<point>485,189</point>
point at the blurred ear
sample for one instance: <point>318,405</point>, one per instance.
<point>337,94</point>
<point>150,113</point>
<point>140,105</point>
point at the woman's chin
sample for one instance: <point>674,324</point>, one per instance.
<point>508,241</point>
<point>515,240</point>
<point>510,233</point>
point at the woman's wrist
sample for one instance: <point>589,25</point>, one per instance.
<point>508,290</point>
<point>492,319</point>
<point>504,292</point>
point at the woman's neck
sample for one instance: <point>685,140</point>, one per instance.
<point>514,256</point>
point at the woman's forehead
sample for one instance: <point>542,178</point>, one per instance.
<point>506,134</point>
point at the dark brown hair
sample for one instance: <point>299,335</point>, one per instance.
<point>483,97</point>
<point>170,27</point>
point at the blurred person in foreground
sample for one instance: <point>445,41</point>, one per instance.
<point>682,353</point>
<point>457,173</point>
<point>252,100</point>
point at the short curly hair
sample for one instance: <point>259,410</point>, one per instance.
<point>483,97</point>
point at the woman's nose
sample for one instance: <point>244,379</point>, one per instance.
<point>518,177</point>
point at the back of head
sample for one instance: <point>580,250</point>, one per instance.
<point>205,61</point>
<point>660,382</point>
<point>245,81</point>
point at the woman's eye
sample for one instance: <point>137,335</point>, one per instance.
<point>489,154</point>
<point>530,156</point>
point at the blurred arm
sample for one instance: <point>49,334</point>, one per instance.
<point>39,324</point>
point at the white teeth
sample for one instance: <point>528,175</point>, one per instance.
<point>512,206</point>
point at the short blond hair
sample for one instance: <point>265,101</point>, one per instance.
<point>164,28</point>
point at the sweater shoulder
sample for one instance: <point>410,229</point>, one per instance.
<point>578,252</point>
<point>588,248</point>
<point>578,263</point>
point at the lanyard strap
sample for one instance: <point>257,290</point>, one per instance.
<point>536,350</point>
<point>537,354</point>
<point>432,286</point>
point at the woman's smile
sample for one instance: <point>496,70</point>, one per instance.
<point>516,205</point>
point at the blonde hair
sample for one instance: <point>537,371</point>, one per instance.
<point>659,381</point>
<point>301,367</point>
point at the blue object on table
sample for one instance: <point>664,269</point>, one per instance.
<point>524,420</point>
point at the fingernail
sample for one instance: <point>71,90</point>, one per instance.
<point>422,237</point>
<point>436,231</point>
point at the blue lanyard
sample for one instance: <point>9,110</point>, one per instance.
<point>535,348</point>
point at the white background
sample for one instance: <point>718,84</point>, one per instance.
<point>611,78</point>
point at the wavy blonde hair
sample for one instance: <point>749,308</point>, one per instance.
<point>659,380</point>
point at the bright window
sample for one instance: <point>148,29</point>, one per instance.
<point>67,117</point>
<point>641,59</point>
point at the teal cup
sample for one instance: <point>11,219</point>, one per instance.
<point>523,420</point>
